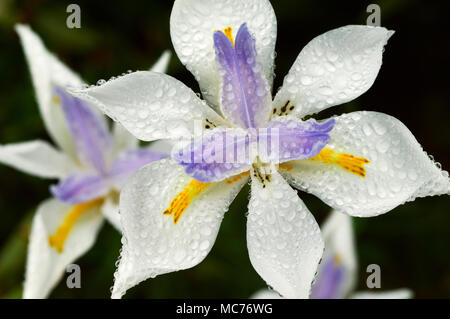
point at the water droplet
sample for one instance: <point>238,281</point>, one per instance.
<point>306,80</point>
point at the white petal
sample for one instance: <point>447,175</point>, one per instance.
<point>47,71</point>
<point>283,238</point>
<point>123,139</point>
<point>193,22</point>
<point>265,294</point>
<point>399,170</point>
<point>45,266</point>
<point>37,158</point>
<point>153,244</point>
<point>403,293</point>
<point>110,210</point>
<point>334,68</point>
<point>339,239</point>
<point>161,65</point>
<point>162,146</point>
<point>150,105</point>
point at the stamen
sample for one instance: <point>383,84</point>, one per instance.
<point>181,202</point>
<point>58,239</point>
<point>348,162</point>
<point>229,33</point>
<point>261,171</point>
<point>286,109</point>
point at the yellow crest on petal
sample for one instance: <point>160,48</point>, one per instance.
<point>58,239</point>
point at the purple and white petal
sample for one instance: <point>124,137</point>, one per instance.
<point>80,188</point>
<point>244,95</point>
<point>153,245</point>
<point>329,280</point>
<point>192,24</point>
<point>89,132</point>
<point>216,155</point>
<point>46,72</point>
<point>130,161</point>
<point>399,170</point>
<point>292,139</point>
<point>339,239</point>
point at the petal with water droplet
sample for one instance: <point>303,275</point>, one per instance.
<point>284,241</point>
<point>192,24</point>
<point>153,244</point>
<point>150,105</point>
<point>334,68</point>
<point>396,173</point>
<point>245,96</point>
<point>216,155</point>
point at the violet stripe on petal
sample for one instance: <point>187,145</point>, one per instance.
<point>80,188</point>
<point>329,282</point>
<point>222,153</point>
<point>216,155</point>
<point>130,161</point>
<point>89,133</point>
<point>245,96</point>
<point>294,140</point>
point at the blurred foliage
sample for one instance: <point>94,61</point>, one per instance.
<point>409,243</point>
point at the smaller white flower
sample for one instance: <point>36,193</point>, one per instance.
<point>91,163</point>
<point>337,273</point>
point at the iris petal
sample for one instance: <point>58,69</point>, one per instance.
<point>89,133</point>
<point>245,95</point>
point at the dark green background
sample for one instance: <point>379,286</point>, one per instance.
<point>410,243</point>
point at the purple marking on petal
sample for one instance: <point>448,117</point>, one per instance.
<point>130,161</point>
<point>294,140</point>
<point>89,133</point>
<point>329,282</point>
<point>80,188</point>
<point>215,156</point>
<point>245,95</point>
